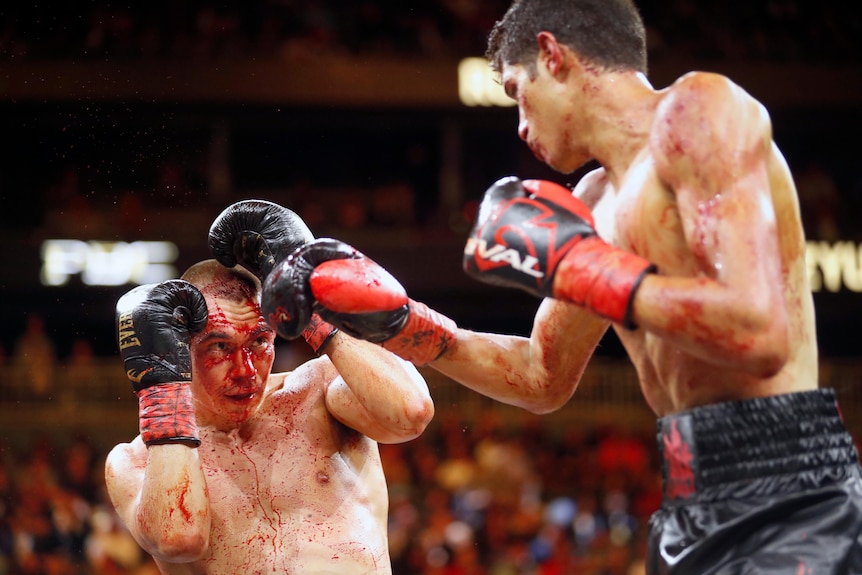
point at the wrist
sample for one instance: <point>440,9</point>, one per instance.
<point>166,414</point>
<point>318,333</point>
<point>425,337</point>
<point>603,278</point>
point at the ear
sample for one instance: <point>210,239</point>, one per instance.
<point>551,54</point>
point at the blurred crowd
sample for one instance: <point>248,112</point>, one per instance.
<point>492,499</point>
<point>55,516</point>
<point>775,30</point>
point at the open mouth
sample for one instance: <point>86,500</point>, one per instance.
<point>240,397</point>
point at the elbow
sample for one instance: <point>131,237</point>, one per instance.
<point>176,543</point>
<point>550,399</point>
<point>545,405</point>
<point>769,351</point>
<point>419,416</point>
<point>179,547</point>
<point>772,357</point>
<point>412,423</point>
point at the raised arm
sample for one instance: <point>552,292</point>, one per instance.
<point>354,293</point>
<point>376,392</point>
<point>160,494</point>
<point>711,146</point>
<point>156,483</point>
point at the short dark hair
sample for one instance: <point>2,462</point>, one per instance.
<point>609,33</point>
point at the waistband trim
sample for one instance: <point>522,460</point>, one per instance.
<point>761,446</point>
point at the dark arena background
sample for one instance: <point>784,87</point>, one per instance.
<point>128,127</point>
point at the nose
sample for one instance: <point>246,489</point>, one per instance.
<point>242,363</point>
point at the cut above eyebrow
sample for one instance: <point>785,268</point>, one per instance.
<point>264,329</point>
<point>213,335</point>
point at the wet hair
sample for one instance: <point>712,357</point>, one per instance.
<point>608,33</point>
<point>234,284</point>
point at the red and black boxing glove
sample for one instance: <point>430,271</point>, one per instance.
<point>536,236</point>
<point>330,278</point>
<point>155,324</point>
<point>258,235</point>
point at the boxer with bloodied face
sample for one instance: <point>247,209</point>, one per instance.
<point>239,470</point>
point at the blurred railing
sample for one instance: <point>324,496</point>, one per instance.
<point>100,400</point>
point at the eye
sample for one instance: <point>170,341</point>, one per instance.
<point>220,347</point>
<point>261,342</point>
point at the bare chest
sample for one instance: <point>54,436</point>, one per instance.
<point>641,217</point>
<point>278,472</point>
<point>293,501</point>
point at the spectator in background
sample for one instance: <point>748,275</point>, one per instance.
<point>35,358</point>
<point>80,369</point>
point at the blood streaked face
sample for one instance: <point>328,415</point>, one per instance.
<point>548,118</point>
<point>231,361</point>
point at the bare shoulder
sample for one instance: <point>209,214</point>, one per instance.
<point>700,119</point>
<point>306,380</point>
<point>591,188</point>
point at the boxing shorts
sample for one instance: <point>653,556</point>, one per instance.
<point>762,486</point>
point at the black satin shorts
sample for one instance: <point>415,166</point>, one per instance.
<point>768,485</point>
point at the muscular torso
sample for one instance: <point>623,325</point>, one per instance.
<point>642,216</point>
<point>294,493</point>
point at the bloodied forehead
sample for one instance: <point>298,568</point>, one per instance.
<point>237,314</point>
<point>232,294</point>
<point>212,278</point>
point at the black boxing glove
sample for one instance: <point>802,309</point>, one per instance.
<point>347,289</point>
<point>257,235</point>
<point>536,236</point>
<point>155,323</point>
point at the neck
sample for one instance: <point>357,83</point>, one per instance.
<point>623,111</point>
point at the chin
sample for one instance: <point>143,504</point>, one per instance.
<point>241,409</point>
<point>567,165</point>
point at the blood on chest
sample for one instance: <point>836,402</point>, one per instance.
<point>641,217</point>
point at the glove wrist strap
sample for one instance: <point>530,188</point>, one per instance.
<point>603,278</point>
<point>166,414</point>
<point>318,333</point>
<point>425,337</point>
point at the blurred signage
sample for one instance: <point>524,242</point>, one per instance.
<point>107,263</point>
<point>834,266</point>
<point>478,84</point>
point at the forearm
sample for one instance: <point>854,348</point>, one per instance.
<point>715,323</point>
<point>173,517</point>
<point>494,365</point>
<point>389,390</point>
<point>539,373</point>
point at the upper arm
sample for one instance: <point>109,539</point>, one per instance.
<point>711,145</point>
<point>124,475</point>
<point>721,296</point>
<point>375,392</point>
